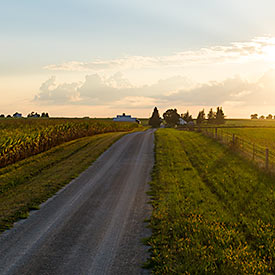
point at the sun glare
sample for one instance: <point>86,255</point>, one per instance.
<point>270,53</point>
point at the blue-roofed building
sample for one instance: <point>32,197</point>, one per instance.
<point>126,118</point>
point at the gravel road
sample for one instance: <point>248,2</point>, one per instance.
<point>92,226</point>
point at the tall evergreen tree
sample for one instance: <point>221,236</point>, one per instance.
<point>187,117</point>
<point>219,116</point>
<point>201,117</point>
<point>155,119</point>
<point>211,117</point>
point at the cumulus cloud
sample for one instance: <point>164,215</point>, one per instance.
<point>256,49</point>
<point>116,92</point>
<point>233,92</point>
<point>213,93</point>
<point>52,93</point>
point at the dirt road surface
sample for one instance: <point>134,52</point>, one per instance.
<point>92,226</point>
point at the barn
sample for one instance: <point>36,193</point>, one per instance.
<point>126,118</point>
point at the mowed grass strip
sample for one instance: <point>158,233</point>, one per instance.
<point>28,183</point>
<point>213,212</point>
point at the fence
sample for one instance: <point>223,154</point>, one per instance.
<point>262,156</point>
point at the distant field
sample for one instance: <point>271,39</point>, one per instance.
<point>21,138</point>
<point>144,121</point>
<point>260,136</point>
<point>250,122</point>
<point>245,123</point>
<point>258,133</point>
<point>213,211</point>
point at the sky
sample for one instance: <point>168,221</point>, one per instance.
<point>100,58</point>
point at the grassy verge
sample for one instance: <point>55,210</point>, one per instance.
<point>26,184</point>
<point>213,212</point>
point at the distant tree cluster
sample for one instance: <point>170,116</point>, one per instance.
<point>172,118</point>
<point>19,115</point>
<point>33,114</point>
<point>217,117</point>
<point>15,115</point>
<point>255,116</point>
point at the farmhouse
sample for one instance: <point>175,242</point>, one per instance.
<point>182,121</point>
<point>126,118</point>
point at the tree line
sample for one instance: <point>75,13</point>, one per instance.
<point>256,116</point>
<point>32,115</point>
<point>172,118</point>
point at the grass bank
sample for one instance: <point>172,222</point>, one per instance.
<point>213,212</point>
<point>27,183</point>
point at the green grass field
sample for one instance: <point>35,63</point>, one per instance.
<point>213,212</point>
<point>264,137</point>
<point>27,183</point>
<point>250,122</point>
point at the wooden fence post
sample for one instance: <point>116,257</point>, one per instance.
<point>266,158</point>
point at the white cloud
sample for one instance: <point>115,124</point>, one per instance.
<point>133,102</point>
<point>50,92</point>
<point>237,52</point>
<point>232,91</point>
<point>117,92</point>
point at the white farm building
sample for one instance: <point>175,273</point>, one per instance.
<point>182,121</point>
<point>126,118</point>
<point>17,115</point>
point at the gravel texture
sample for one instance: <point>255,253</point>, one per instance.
<point>92,226</point>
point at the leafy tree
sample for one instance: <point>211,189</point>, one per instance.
<point>200,117</point>
<point>44,115</point>
<point>2,115</point>
<point>269,116</point>
<point>171,117</point>
<point>261,117</point>
<point>211,117</point>
<point>33,114</point>
<point>219,116</point>
<point>254,116</point>
<point>187,117</point>
<point>155,119</point>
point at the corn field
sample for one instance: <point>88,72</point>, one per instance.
<point>21,138</point>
